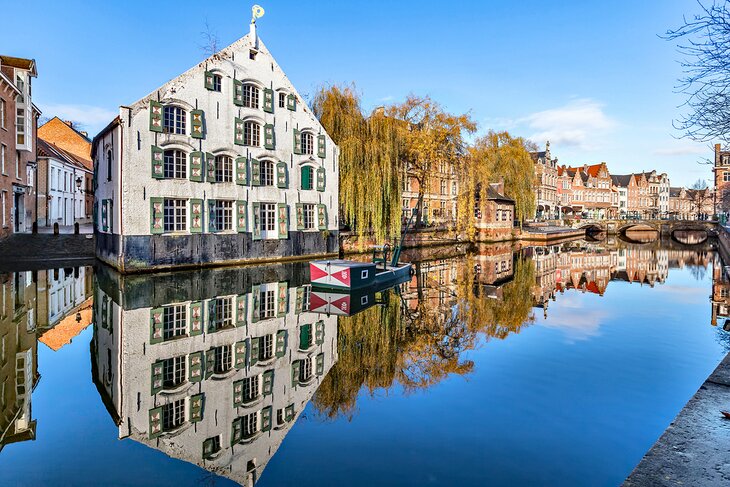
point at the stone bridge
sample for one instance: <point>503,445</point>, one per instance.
<point>666,228</point>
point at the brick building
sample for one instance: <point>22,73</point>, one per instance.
<point>590,191</point>
<point>680,204</point>
<point>493,213</point>
<point>18,124</point>
<point>547,204</point>
<point>721,170</point>
<point>439,196</point>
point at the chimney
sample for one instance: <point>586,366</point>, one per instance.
<point>69,123</point>
<point>85,134</point>
<point>379,111</point>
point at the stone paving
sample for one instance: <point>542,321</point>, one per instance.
<point>695,448</point>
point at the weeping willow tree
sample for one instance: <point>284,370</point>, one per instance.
<point>493,157</point>
<point>369,155</point>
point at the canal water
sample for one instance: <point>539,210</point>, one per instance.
<point>557,365</point>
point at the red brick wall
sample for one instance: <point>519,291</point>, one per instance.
<point>60,134</point>
<point>7,137</point>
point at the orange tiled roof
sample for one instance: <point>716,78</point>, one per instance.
<point>68,327</point>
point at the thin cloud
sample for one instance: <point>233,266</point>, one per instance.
<point>92,118</point>
<point>680,151</point>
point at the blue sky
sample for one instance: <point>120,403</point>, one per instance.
<point>592,77</point>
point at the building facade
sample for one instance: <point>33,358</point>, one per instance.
<point>721,169</point>
<point>18,124</point>
<point>658,203</point>
<point>680,204</point>
<point>494,214</point>
<point>63,180</point>
<point>224,163</point>
<point>590,191</point>
<point>546,184</point>
<point>439,196</point>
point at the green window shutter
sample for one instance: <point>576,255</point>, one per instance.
<point>155,116</point>
<point>196,166</point>
<point>238,131</point>
<point>268,382</point>
<point>104,216</point>
<point>306,177</point>
<point>197,124</point>
<point>319,332</point>
<point>319,364</point>
<point>321,146</point>
<point>237,93</point>
<point>255,345</point>
<point>156,216</point>
<point>196,215</point>
<point>282,176</point>
<point>255,303</point>
<point>238,393</point>
<point>299,305</point>
<point>209,362</point>
<point>196,407</point>
<point>282,302</point>
<point>157,377</point>
<point>196,318</point>
<point>210,165</point>
<point>256,228</point>
<point>212,316</point>
<point>291,102</point>
<point>322,217</point>
<point>156,324</point>
<point>236,431</point>
<point>195,367</point>
<point>110,213</point>
<point>209,80</point>
<point>266,418</point>
<point>239,355</point>
<point>321,175</point>
<point>241,309</point>
<point>297,142</point>
<point>281,343</point>
<point>255,172</point>
<point>269,137</point>
<point>300,216</point>
<point>289,412</point>
<point>241,216</point>
<point>157,158</point>
<point>268,100</point>
<point>211,216</point>
<point>305,336</point>
<point>241,171</point>
<point>295,366</point>
<point>155,416</point>
<point>283,220</point>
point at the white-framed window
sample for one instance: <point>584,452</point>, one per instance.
<point>308,214</point>
<point>217,82</point>
<point>3,204</point>
<point>223,313</point>
<point>223,214</point>
<point>17,164</point>
<point>251,388</point>
<point>726,176</point>
<point>175,164</point>
<point>282,100</point>
<point>443,186</point>
<point>174,321</point>
<point>223,362</point>
<point>250,424</point>
<point>20,125</point>
<point>251,134</point>
<point>267,303</point>
<point>268,217</point>
<point>173,120</point>
<point>175,215</point>
<point>173,370</point>
<point>250,96</point>
<point>307,143</point>
<point>3,156</point>
<point>305,370</point>
<point>223,169</point>
<point>3,113</point>
<point>453,188</point>
<point>173,415</point>
<point>267,173</point>
<point>266,347</point>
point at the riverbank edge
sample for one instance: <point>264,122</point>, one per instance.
<point>695,447</point>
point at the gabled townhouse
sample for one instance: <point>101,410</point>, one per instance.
<point>658,193</point>
<point>628,194</point>
<point>224,163</point>
<point>18,124</point>
<point>680,204</point>
<point>546,184</point>
<point>494,213</point>
<point>721,170</point>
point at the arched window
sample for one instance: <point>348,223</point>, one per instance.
<point>175,164</point>
<point>173,121</point>
<point>223,169</point>
<point>267,173</point>
<point>250,96</point>
<point>307,177</point>
<point>217,82</point>
<point>307,143</point>
<point>251,134</point>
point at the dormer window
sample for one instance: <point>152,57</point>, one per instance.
<point>251,133</point>
<point>173,121</point>
<point>250,96</point>
<point>217,82</point>
<point>282,100</point>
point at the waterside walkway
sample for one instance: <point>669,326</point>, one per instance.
<point>21,252</point>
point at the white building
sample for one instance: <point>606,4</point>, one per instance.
<point>60,193</point>
<point>224,163</point>
<point>214,367</point>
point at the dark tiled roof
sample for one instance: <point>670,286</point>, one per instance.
<point>18,62</point>
<point>46,149</point>
<point>674,192</point>
<point>622,180</point>
<point>493,194</point>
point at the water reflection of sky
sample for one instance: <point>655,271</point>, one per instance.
<point>575,398</point>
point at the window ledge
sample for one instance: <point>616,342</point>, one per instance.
<point>250,438</point>
<point>223,375</point>
<point>175,432</point>
<point>177,390</point>
<point>267,362</point>
<point>253,402</point>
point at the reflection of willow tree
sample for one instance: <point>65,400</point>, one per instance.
<point>418,347</point>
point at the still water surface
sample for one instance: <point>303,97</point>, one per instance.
<point>554,365</point>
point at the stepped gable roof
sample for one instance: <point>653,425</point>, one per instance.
<point>622,180</point>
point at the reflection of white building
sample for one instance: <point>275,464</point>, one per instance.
<point>66,289</point>
<point>213,379</point>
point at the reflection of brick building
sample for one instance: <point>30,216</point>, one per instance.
<point>493,266</point>
<point>493,213</point>
<point>720,298</point>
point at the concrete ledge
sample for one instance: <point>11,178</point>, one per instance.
<point>695,448</point>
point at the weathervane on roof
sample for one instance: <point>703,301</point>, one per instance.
<point>257,11</point>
